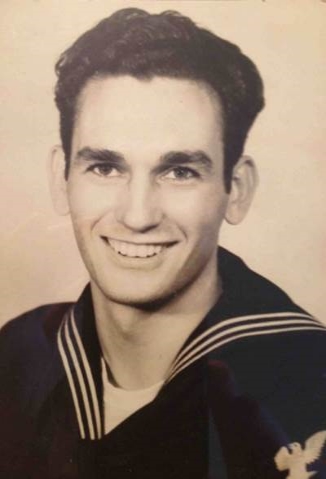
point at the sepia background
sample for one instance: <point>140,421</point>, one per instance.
<point>284,235</point>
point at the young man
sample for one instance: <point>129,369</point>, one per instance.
<point>177,360</point>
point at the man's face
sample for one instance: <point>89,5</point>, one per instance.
<point>145,186</point>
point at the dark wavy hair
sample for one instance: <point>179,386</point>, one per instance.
<point>134,42</point>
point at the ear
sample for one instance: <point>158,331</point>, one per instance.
<point>58,182</point>
<point>243,186</point>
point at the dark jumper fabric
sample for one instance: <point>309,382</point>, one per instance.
<point>225,415</point>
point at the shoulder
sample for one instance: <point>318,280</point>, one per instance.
<point>32,333</point>
<point>276,349</point>
<point>249,292</point>
<point>28,352</point>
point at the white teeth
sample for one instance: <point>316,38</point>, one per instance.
<point>123,247</point>
<point>133,250</point>
<point>151,250</point>
<point>157,249</point>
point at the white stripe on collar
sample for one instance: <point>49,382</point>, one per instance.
<point>81,383</point>
<point>70,379</point>
<point>236,328</point>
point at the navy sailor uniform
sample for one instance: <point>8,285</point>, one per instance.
<point>245,397</point>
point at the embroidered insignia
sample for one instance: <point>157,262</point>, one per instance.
<point>295,459</point>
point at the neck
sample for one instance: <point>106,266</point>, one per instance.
<point>139,344</point>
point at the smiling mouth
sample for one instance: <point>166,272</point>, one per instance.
<point>133,250</point>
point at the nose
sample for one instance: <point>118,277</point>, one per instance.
<point>139,208</point>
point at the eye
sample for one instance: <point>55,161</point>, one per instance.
<point>181,173</point>
<point>103,170</point>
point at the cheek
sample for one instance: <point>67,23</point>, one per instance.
<point>198,211</point>
<point>88,202</point>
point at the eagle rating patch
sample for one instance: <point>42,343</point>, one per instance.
<point>296,459</point>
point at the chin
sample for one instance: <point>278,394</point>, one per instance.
<point>145,300</point>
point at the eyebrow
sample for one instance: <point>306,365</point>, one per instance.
<point>100,155</point>
<point>181,158</point>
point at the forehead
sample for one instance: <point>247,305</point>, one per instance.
<point>161,112</point>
